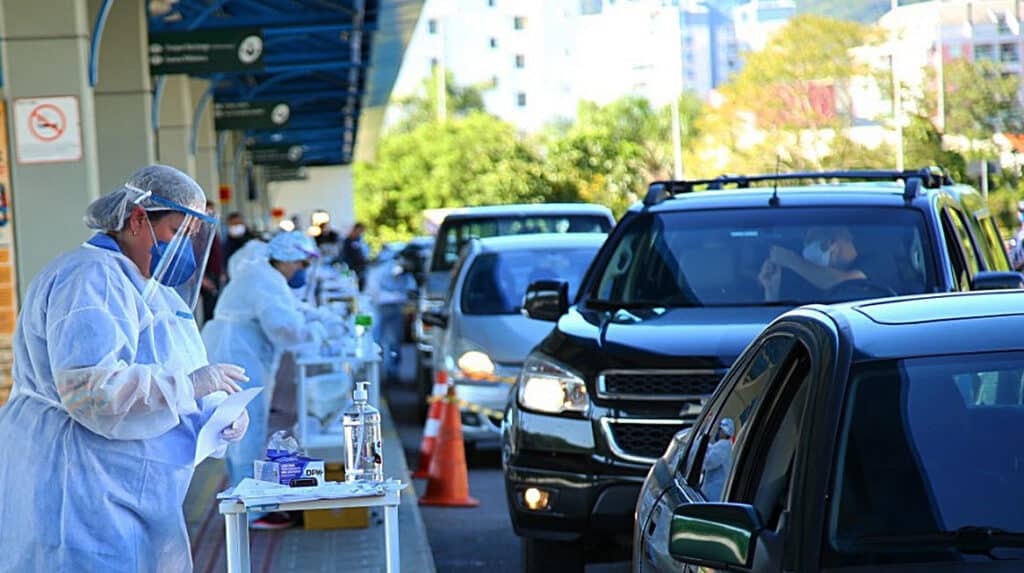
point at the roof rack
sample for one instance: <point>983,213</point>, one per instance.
<point>914,180</point>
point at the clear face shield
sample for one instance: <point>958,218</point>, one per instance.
<point>181,262</point>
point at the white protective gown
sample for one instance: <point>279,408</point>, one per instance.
<point>98,438</point>
<point>257,317</point>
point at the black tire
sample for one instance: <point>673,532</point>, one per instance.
<point>545,556</point>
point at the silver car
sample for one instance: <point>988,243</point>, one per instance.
<point>485,338</point>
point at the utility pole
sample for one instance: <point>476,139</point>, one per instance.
<point>897,96</point>
<point>442,79</point>
<point>677,141</point>
<point>940,78</point>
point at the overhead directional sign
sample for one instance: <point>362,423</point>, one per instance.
<point>276,154</point>
<point>207,51</point>
<point>251,115</point>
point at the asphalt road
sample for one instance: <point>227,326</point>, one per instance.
<point>468,540</point>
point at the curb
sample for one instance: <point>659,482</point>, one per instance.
<point>414,545</point>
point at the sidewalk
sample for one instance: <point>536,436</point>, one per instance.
<point>296,549</point>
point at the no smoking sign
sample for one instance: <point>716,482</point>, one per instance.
<point>47,130</point>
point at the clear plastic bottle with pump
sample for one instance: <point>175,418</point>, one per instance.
<point>364,452</point>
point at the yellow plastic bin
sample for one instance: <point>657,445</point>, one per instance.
<point>321,519</point>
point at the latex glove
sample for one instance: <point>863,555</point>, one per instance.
<point>214,377</point>
<point>236,430</point>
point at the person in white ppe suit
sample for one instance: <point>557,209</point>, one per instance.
<point>718,461</point>
<point>257,318</point>
<point>98,439</point>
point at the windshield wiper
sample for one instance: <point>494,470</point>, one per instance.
<point>972,539</point>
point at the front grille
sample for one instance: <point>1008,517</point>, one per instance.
<point>641,440</point>
<point>657,385</point>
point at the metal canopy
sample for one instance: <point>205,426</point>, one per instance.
<point>316,56</point>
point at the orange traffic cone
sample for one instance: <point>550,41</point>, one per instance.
<point>449,479</point>
<point>429,442</point>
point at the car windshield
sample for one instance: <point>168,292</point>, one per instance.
<point>496,282</point>
<point>930,462</point>
<point>455,234</point>
<point>767,256</point>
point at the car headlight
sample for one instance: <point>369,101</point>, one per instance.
<point>475,365</point>
<point>548,387</point>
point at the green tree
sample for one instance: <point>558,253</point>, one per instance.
<point>421,108</point>
<point>472,160</point>
<point>787,106</point>
<point>611,152</point>
<point>981,100</point>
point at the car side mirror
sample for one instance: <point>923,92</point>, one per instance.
<point>435,318</point>
<point>546,300</point>
<point>716,535</point>
<point>997,280</point>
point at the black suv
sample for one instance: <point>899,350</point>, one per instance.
<point>839,440</point>
<point>683,284</point>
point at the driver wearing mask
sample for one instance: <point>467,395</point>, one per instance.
<point>829,258</point>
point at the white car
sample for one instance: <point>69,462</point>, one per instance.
<point>484,338</point>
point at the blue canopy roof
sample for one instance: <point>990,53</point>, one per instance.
<point>318,57</point>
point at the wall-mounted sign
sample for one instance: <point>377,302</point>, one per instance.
<point>8,283</point>
<point>47,130</point>
<point>276,154</point>
<point>251,114</point>
<point>206,51</point>
<point>286,173</point>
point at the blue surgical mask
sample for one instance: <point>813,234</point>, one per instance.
<point>298,279</point>
<point>817,254</point>
<point>182,266</point>
<point>1020,216</point>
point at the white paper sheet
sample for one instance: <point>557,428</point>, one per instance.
<point>209,439</point>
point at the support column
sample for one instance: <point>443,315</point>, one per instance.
<point>207,173</point>
<point>46,53</point>
<point>174,135</point>
<point>123,95</point>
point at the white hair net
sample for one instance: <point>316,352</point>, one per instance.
<point>109,212</point>
<point>290,247</point>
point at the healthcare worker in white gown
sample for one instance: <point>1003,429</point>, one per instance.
<point>258,317</point>
<point>98,438</point>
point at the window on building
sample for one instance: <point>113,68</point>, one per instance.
<point>491,3</point>
<point>519,22</point>
<point>1008,53</point>
<point>984,52</point>
<point>520,61</point>
<point>494,42</point>
<point>956,51</point>
<point>521,99</point>
<point>1002,25</point>
<point>494,81</point>
<point>433,63</point>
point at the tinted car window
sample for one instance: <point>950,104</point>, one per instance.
<point>728,257</point>
<point>455,234</point>
<point>964,238</point>
<point>928,446</point>
<point>497,282</point>
<point>994,244</point>
<point>736,412</point>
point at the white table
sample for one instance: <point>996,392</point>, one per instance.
<point>236,525</point>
